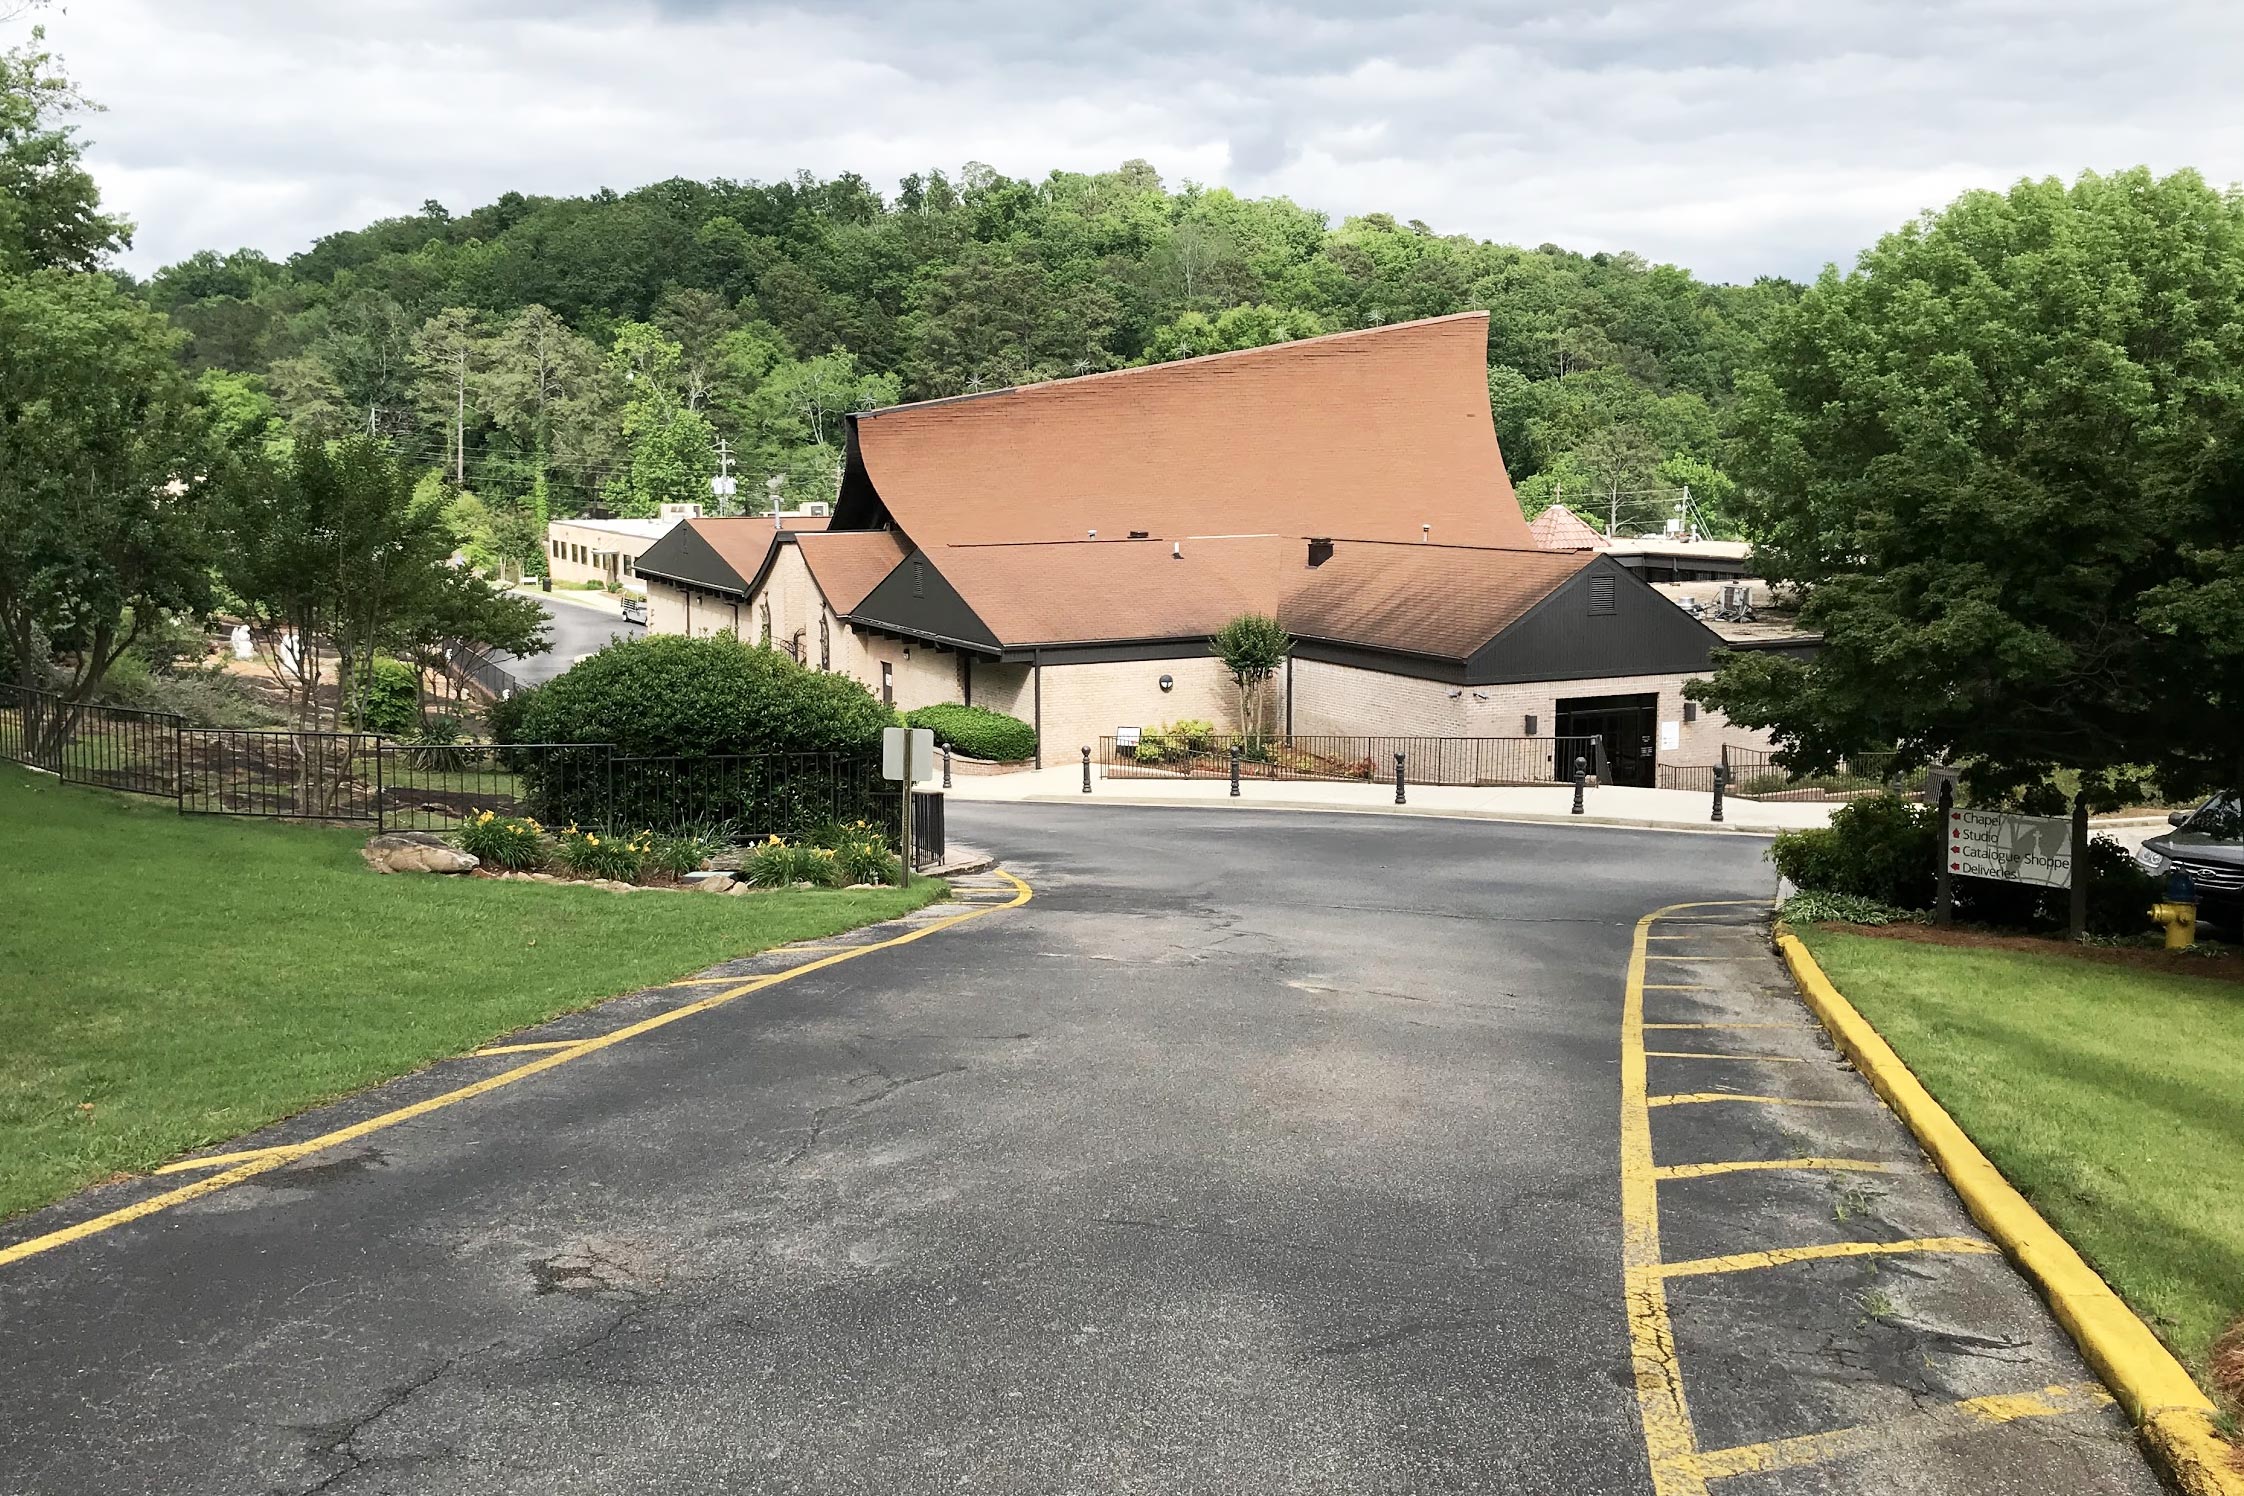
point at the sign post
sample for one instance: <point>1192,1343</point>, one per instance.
<point>907,754</point>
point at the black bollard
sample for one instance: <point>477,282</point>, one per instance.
<point>1399,780</point>
<point>1234,771</point>
<point>1086,768</point>
<point>1721,778</point>
<point>946,766</point>
<point>1581,775</point>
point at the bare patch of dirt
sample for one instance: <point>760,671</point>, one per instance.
<point>2221,964</point>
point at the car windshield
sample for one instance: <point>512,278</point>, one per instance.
<point>2221,818</point>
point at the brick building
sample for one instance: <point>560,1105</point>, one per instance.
<point>1063,551</point>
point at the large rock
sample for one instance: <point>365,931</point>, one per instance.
<point>415,852</point>
<point>720,883</point>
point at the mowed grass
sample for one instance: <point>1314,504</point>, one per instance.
<point>2113,1098</point>
<point>171,981</point>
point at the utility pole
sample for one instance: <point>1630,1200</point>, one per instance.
<point>722,487</point>
<point>459,420</point>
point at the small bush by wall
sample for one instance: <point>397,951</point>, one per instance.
<point>977,732</point>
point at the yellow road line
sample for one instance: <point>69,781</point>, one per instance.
<point>1673,937</point>
<point>212,1161</point>
<point>1800,1027</point>
<point>1934,1423</point>
<point>269,1160</point>
<point>492,1049</point>
<point>1688,1054</point>
<point>1665,1413</point>
<point>1746,1262</point>
<point>1748,1165</point>
<point>1694,1098</point>
<point>1675,987</point>
<point>1698,958</point>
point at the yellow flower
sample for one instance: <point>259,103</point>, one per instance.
<point>592,841</point>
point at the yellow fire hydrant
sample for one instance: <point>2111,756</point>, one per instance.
<point>2177,912</point>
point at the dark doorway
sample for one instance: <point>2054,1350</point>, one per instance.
<point>1627,724</point>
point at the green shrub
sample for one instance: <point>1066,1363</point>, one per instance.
<point>773,864</point>
<point>680,854</point>
<point>666,695</point>
<point>515,843</point>
<point>977,732</point>
<point>596,856</point>
<point>389,698</point>
<point>1879,847</point>
<point>868,861</point>
<point>1191,734</point>
<point>437,746</point>
<point>1812,908</point>
<point>504,717</point>
<point>2120,894</point>
<point>821,866</point>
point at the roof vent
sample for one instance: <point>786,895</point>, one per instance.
<point>1425,532</point>
<point>1094,535</point>
<point>1320,551</point>
<point>1141,534</point>
<point>1176,549</point>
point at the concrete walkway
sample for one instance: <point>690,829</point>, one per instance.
<point>1606,805</point>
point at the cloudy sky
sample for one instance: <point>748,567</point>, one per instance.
<point>1737,137</point>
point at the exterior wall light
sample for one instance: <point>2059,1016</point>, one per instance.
<point>1168,683</point>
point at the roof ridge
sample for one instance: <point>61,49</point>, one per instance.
<point>1173,363</point>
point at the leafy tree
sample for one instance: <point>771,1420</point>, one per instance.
<point>50,210</point>
<point>104,477</point>
<point>451,354</point>
<point>1255,326</point>
<point>1253,648</point>
<point>2001,459</point>
<point>671,450</point>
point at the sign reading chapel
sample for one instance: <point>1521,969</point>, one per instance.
<point>2015,849</point>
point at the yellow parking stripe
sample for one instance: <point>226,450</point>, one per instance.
<point>1675,987</point>
<point>212,1161</point>
<point>1746,1262</point>
<point>1688,1054</point>
<point>1747,1165</point>
<point>1934,1423</point>
<point>526,1048</point>
<point>268,1160</point>
<point>1694,1098</point>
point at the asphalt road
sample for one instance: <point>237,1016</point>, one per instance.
<point>1262,1153</point>
<point>577,629</point>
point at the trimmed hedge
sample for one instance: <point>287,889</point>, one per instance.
<point>977,732</point>
<point>665,694</point>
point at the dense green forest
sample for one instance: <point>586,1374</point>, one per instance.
<point>567,355</point>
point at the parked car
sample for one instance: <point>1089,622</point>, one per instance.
<point>2208,844</point>
<point>634,609</point>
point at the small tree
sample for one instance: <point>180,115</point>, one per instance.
<point>1252,647</point>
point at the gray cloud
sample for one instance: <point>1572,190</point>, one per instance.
<point>1739,137</point>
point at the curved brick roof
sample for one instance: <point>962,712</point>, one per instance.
<point>1369,434</point>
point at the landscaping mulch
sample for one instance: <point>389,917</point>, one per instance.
<point>2221,963</point>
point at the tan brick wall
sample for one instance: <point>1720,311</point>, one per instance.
<point>1341,699</point>
<point>671,609</point>
<point>568,538</point>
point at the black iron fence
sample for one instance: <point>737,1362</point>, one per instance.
<point>344,776</point>
<point>1426,760</point>
<point>473,670</point>
<point>1754,774</point>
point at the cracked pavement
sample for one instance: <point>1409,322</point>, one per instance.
<point>1258,1154</point>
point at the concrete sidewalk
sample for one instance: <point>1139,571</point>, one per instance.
<point>1606,805</point>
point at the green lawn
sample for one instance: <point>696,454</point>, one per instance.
<point>2112,1097</point>
<point>170,981</point>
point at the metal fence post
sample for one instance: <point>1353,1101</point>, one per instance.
<point>1721,777</point>
<point>1943,878</point>
<point>1399,780</point>
<point>1234,770</point>
<point>946,766</point>
<point>1086,768</point>
<point>1581,774</point>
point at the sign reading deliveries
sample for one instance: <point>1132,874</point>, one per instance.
<point>2016,849</point>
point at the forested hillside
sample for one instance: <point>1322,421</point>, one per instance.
<point>570,354</point>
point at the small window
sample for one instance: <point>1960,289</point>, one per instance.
<point>1601,596</point>
<point>888,685</point>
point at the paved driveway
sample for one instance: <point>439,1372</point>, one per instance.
<point>1273,1153</point>
<point>578,627</point>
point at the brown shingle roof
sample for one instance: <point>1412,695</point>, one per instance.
<point>847,564</point>
<point>1371,433</point>
<point>1436,600</point>
<point>1559,528</point>
<point>744,543</point>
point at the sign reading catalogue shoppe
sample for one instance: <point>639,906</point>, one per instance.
<point>2015,849</point>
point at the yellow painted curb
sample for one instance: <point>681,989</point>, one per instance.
<point>2175,1417</point>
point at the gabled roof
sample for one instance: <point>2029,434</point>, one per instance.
<point>1373,433</point>
<point>1559,528</point>
<point>722,555</point>
<point>847,564</point>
